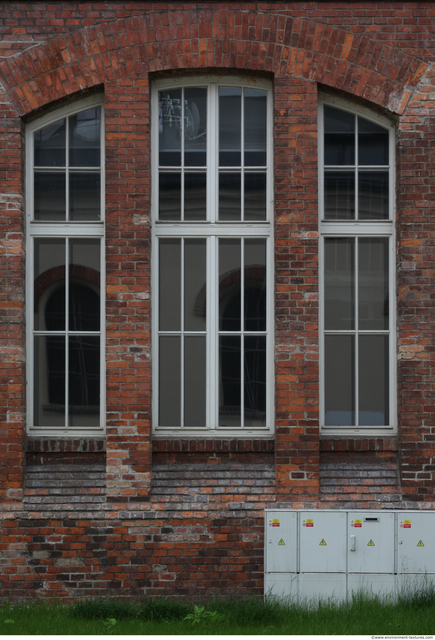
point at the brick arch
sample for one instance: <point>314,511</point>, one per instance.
<point>208,39</point>
<point>55,274</point>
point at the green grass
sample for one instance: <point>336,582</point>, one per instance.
<point>412,614</point>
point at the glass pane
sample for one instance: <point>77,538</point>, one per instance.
<point>230,126</point>
<point>84,196</point>
<point>49,145</point>
<point>170,128</point>
<point>169,381</point>
<point>195,291</point>
<point>195,126</point>
<point>339,381</point>
<point>49,196</point>
<point>372,143</point>
<point>255,128</point>
<point>229,285</point>
<point>373,381</point>
<point>230,196</point>
<point>339,283</point>
<point>84,381</point>
<point>84,292</point>
<point>195,196</point>
<point>170,285</point>
<point>229,381</point>
<point>373,283</point>
<point>194,381</point>
<point>170,196</point>
<point>255,285</point>
<point>84,139</point>
<point>49,285</point>
<point>339,137</point>
<point>49,381</point>
<point>339,195</point>
<point>255,196</point>
<point>255,381</point>
<point>373,195</point>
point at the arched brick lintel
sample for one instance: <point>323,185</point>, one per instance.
<point>204,39</point>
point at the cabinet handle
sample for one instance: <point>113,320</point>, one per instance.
<point>352,543</point>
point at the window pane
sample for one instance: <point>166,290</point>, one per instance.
<point>194,381</point>
<point>339,283</point>
<point>49,381</point>
<point>229,285</point>
<point>230,126</point>
<point>372,143</point>
<point>84,293</point>
<point>373,381</point>
<point>229,381</point>
<point>255,127</point>
<point>49,196</point>
<point>169,381</point>
<point>49,145</point>
<point>339,195</point>
<point>170,285</point>
<point>255,196</point>
<point>373,283</point>
<point>373,195</point>
<point>195,285</point>
<point>339,137</point>
<point>339,381</point>
<point>84,381</point>
<point>170,196</point>
<point>170,128</point>
<point>49,284</point>
<point>84,139</point>
<point>195,196</point>
<point>84,196</point>
<point>255,285</point>
<point>195,126</point>
<point>255,381</point>
<point>230,196</point>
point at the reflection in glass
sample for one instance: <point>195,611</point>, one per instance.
<point>84,381</point>
<point>195,126</point>
<point>170,128</point>
<point>170,196</point>
<point>84,289</point>
<point>230,196</point>
<point>169,381</point>
<point>230,125</point>
<point>229,381</point>
<point>339,283</point>
<point>49,381</point>
<point>170,284</point>
<point>372,143</point>
<point>255,128</point>
<point>194,285</point>
<point>49,272</point>
<point>229,285</point>
<point>373,195</point>
<point>339,195</point>
<point>339,137</point>
<point>49,145</point>
<point>49,196</point>
<point>255,381</point>
<point>255,285</point>
<point>255,196</point>
<point>194,381</point>
<point>84,196</point>
<point>195,196</point>
<point>373,283</point>
<point>84,139</point>
<point>339,381</point>
<point>373,380</point>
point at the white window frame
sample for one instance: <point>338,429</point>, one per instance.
<point>355,229</point>
<point>211,230</point>
<point>62,230</point>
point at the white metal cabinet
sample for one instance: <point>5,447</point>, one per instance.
<point>371,542</point>
<point>416,542</point>
<point>281,541</point>
<point>322,541</point>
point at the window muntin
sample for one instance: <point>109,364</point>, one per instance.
<point>64,270</point>
<point>357,265</point>
<point>211,195</point>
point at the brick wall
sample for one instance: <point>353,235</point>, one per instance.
<point>164,516</point>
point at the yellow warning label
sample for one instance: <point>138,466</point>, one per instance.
<point>274,522</point>
<point>370,543</point>
<point>322,543</point>
<point>281,542</point>
<point>420,544</point>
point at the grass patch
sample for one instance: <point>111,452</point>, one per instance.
<point>411,614</point>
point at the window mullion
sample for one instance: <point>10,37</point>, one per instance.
<point>356,335</point>
<point>182,336</point>
<point>212,333</point>
<point>67,246</point>
<point>242,333</point>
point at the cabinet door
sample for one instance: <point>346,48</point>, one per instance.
<point>416,542</point>
<point>322,537</point>
<point>371,542</point>
<point>280,541</point>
